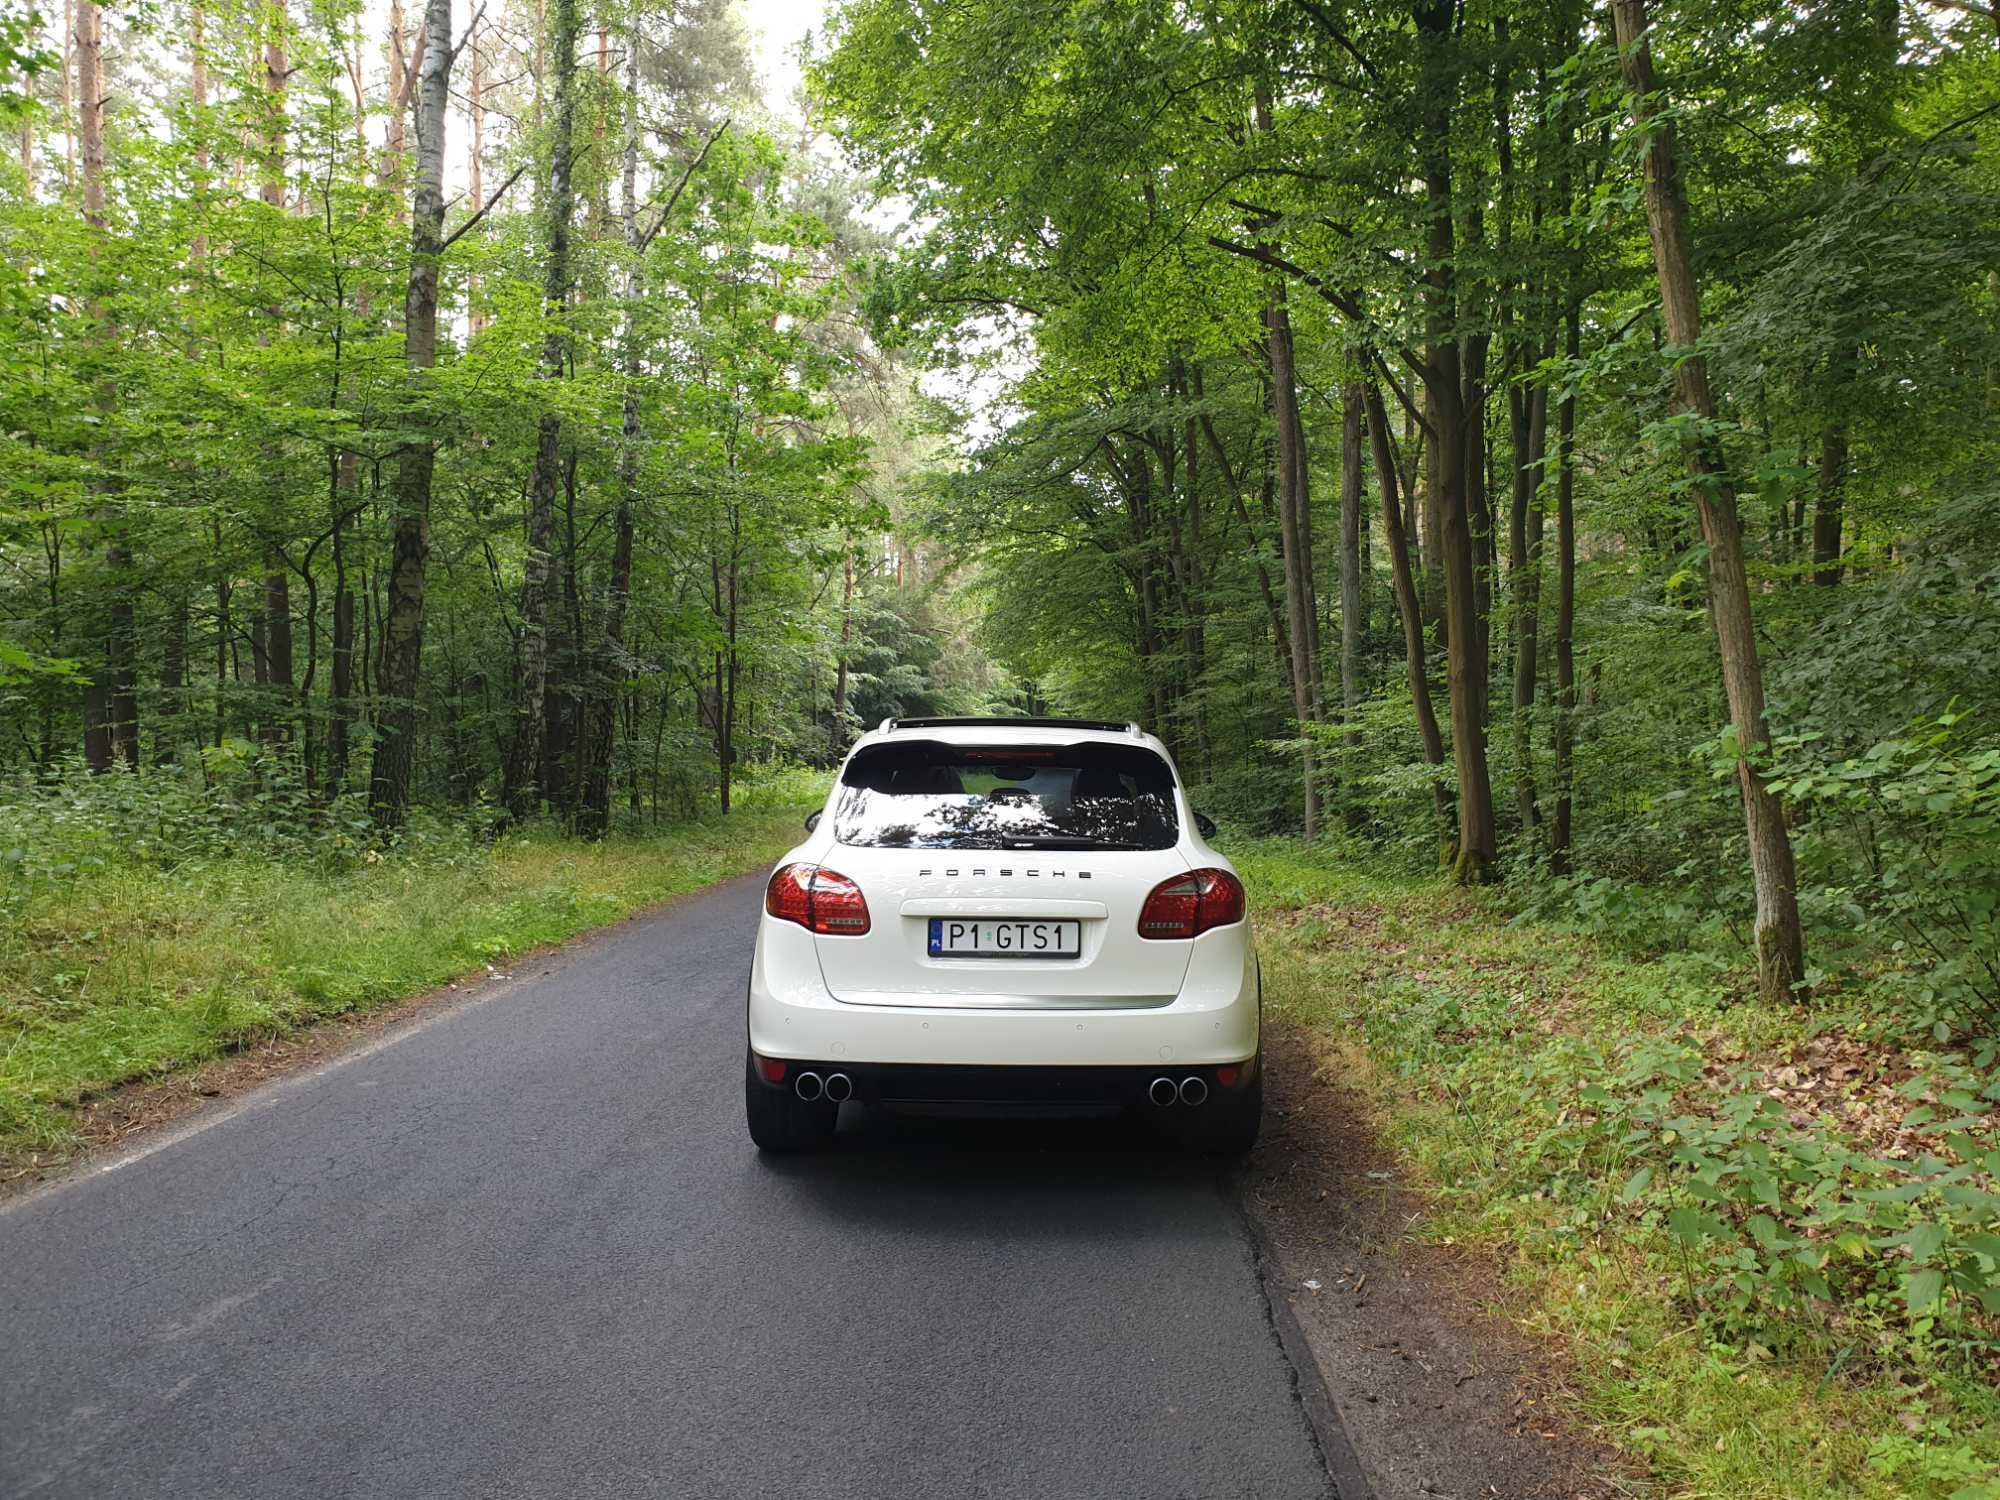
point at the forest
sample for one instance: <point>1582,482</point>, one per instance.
<point>1540,452</point>
<point>394,423</point>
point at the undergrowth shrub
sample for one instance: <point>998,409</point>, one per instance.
<point>1899,879</point>
<point>1770,1215</point>
<point>238,801</point>
<point>1773,1218</point>
<point>1904,845</point>
<point>779,783</point>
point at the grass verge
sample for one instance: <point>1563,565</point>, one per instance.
<point>1728,1216</point>
<point>119,969</point>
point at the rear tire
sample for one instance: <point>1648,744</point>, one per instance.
<point>1228,1124</point>
<point>779,1119</point>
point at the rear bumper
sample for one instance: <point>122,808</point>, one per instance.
<point>1213,1020</point>
<point>1066,1087</point>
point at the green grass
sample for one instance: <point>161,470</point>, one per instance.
<point>1472,1038</point>
<point>119,969</point>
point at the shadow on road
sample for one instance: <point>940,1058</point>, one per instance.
<point>1080,1178</point>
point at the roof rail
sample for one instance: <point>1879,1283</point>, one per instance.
<point>1110,726</point>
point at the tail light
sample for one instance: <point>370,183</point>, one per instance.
<point>818,899</point>
<point>1188,905</point>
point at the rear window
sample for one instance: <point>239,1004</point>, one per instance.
<point>923,794</point>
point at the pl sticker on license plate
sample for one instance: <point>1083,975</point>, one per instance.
<point>1004,937</point>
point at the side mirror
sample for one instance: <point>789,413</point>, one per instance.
<point>1204,825</point>
<point>812,821</point>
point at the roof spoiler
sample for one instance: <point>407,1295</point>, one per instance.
<point>1104,726</point>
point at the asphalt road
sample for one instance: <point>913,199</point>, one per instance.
<point>527,1249</point>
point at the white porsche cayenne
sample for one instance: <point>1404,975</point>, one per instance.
<point>1005,912</point>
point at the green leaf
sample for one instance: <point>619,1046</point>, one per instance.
<point>1924,1240</point>
<point>1688,1225</point>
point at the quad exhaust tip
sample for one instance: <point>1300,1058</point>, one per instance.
<point>1193,1091</point>
<point>839,1087</point>
<point>1162,1092</point>
<point>809,1086</point>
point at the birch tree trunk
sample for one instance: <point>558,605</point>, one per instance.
<point>1780,942</point>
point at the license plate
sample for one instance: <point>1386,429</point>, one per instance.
<point>1004,937</point>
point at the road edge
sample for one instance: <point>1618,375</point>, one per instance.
<point>1329,1434</point>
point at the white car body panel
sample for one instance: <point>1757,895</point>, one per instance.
<point>1125,1001</point>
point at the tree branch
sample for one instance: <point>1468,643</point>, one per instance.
<point>646,239</point>
<point>471,31</point>
<point>1340,38</point>
<point>462,229</point>
<point>1339,300</point>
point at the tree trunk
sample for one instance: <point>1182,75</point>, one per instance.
<point>562,706</point>
<point>838,738</point>
<point>1780,943</point>
<point>724,580</point>
<point>198,95</point>
<point>278,652</point>
<point>340,716</point>
<point>1524,571</point>
<point>1565,721</point>
<point>173,679</point>
<point>111,704</point>
<point>1408,607</point>
<point>1294,521</point>
<point>278,667</point>
<point>1479,502</point>
<point>1353,609</point>
<point>69,56</point>
<point>394,135</point>
<point>524,769</point>
<point>83,43</point>
<point>476,157</point>
<point>1272,609</point>
<point>1477,837</point>
<point>403,623</point>
<point>1297,563</point>
<point>608,689</point>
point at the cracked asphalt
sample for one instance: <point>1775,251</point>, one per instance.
<point>526,1249</point>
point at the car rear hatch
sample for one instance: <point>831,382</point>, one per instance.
<point>1005,876</point>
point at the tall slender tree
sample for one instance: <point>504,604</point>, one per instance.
<point>111,701</point>
<point>1444,384</point>
<point>403,626</point>
<point>531,677</point>
<point>1780,941</point>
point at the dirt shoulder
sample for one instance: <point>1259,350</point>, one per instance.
<point>1440,1400</point>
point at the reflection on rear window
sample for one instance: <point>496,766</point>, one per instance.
<point>923,794</point>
